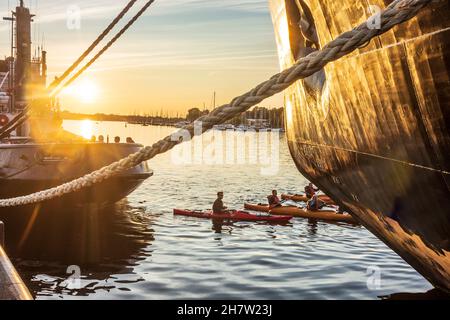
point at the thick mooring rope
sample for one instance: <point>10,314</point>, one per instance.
<point>398,12</point>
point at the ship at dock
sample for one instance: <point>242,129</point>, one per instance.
<point>372,129</point>
<point>35,152</point>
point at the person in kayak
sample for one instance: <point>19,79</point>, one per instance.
<point>310,191</point>
<point>218,207</point>
<point>273,199</point>
<point>315,204</point>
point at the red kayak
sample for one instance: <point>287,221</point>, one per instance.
<point>233,216</point>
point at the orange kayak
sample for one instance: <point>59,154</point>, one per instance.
<point>297,197</point>
<point>303,198</point>
<point>325,215</point>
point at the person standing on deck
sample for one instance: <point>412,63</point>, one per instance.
<point>218,207</point>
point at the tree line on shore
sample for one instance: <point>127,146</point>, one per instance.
<point>274,117</point>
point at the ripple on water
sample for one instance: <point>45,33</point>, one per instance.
<point>147,253</point>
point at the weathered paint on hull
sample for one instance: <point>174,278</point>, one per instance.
<point>375,134</point>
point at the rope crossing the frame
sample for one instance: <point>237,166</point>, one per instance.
<point>105,32</point>
<point>56,91</point>
<point>399,11</point>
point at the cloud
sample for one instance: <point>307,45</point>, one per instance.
<point>239,5</point>
<point>56,10</point>
<point>230,39</point>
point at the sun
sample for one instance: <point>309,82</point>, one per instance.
<point>87,129</point>
<point>86,91</point>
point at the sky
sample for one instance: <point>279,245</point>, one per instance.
<point>172,59</point>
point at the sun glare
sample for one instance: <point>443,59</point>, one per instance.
<point>87,129</point>
<point>86,91</point>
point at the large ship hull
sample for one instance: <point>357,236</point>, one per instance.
<point>29,168</point>
<point>372,129</point>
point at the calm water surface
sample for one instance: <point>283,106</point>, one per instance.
<point>139,250</point>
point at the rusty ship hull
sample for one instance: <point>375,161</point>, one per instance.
<point>372,129</point>
<point>29,168</point>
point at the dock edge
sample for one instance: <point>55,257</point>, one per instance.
<point>11,285</point>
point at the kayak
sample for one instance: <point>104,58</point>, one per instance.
<point>303,198</point>
<point>326,215</point>
<point>234,216</point>
<point>296,198</point>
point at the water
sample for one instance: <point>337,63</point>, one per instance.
<point>139,250</point>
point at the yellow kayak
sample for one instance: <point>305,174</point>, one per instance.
<point>303,198</point>
<point>326,215</point>
<point>296,198</point>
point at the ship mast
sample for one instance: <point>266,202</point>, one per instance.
<point>20,60</point>
<point>11,65</point>
<point>23,53</point>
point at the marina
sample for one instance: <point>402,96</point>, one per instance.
<point>341,194</point>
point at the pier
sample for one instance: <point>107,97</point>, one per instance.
<point>11,285</point>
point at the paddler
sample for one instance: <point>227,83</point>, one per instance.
<point>315,204</point>
<point>218,207</point>
<point>310,191</point>
<point>273,199</point>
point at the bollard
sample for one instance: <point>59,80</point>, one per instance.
<point>2,234</point>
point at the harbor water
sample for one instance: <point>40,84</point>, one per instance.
<point>140,250</point>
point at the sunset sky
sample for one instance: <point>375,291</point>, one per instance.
<point>172,59</point>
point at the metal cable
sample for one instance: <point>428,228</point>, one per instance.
<point>104,49</point>
<point>105,32</point>
<point>20,120</point>
<point>14,123</point>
